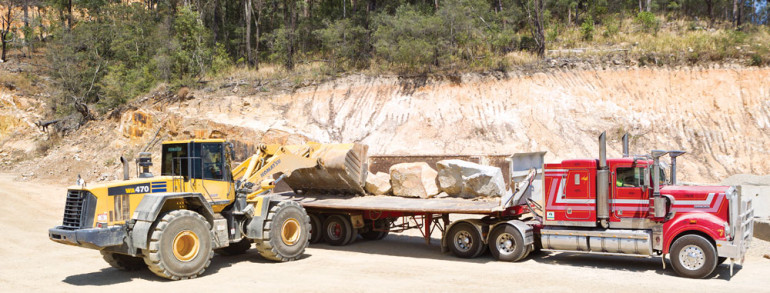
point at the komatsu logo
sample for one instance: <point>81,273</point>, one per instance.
<point>272,166</point>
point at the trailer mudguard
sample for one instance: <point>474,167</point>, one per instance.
<point>262,206</point>
<point>150,207</point>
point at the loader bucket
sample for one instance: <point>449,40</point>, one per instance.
<point>341,169</point>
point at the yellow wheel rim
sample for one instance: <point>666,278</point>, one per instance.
<point>186,245</point>
<point>290,231</point>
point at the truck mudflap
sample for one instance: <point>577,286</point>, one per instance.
<point>741,229</point>
<point>94,238</point>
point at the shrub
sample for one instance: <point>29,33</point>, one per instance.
<point>648,21</point>
<point>587,29</point>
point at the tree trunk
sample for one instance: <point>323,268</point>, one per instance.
<point>648,5</point>
<point>256,41</point>
<point>641,8</point>
<point>735,14</point>
<point>536,24</point>
<point>69,14</point>
<point>247,8</point>
<point>290,20</point>
<point>710,9</point>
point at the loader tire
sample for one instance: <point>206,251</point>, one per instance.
<point>235,248</point>
<point>693,256</point>
<point>338,230</point>
<point>381,225</point>
<point>316,230</point>
<point>123,262</point>
<point>286,232</point>
<point>180,246</point>
<point>507,244</point>
<point>465,241</point>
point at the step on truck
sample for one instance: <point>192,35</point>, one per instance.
<point>198,206</point>
<point>621,206</point>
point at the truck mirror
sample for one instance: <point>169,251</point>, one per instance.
<point>647,177</point>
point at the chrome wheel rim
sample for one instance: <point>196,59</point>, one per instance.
<point>692,257</point>
<point>463,241</point>
<point>505,243</point>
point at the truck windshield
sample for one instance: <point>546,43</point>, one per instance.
<point>174,160</point>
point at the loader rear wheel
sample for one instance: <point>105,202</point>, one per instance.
<point>123,262</point>
<point>381,231</point>
<point>338,230</point>
<point>316,232</point>
<point>180,246</point>
<point>465,241</point>
<point>693,256</point>
<point>235,248</point>
<point>507,244</point>
<point>286,232</point>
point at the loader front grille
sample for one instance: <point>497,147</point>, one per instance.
<point>79,209</point>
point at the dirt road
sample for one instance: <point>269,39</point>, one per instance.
<point>29,262</point>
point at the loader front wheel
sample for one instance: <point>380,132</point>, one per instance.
<point>180,246</point>
<point>286,232</point>
<point>123,262</point>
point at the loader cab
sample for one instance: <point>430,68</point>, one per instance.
<point>204,166</point>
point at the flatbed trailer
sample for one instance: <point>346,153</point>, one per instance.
<point>339,220</point>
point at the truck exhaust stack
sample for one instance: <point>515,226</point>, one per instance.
<point>673,155</point>
<point>602,184</point>
<point>625,145</point>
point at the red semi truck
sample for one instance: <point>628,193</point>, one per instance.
<point>621,206</point>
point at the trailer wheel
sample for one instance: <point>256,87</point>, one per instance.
<point>316,232</point>
<point>338,230</point>
<point>465,240</point>
<point>286,232</point>
<point>235,248</point>
<point>180,246</point>
<point>123,262</point>
<point>507,244</point>
<point>693,256</point>
<point>382,231</point>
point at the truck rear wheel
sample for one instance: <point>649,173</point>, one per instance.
<point>235,248</point>
<point>338,230</point>
<point>180,246</point>
<point>123,262</point>
<point>507,244</point>
<point>465,241</point>
<point>316,232</point>
<point>693,256</point>
<point>286,232</point>
<point>381,231</point>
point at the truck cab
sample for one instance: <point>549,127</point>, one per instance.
<point>630,205</point>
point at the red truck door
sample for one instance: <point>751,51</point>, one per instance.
<point>628,199</point>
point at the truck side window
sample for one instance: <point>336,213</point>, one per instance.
<point>629,177</point>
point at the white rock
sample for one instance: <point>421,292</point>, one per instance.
<point>378,184</point>
<point>413,180</point>
<point>465,179</point>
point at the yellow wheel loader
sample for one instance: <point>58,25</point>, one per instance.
<point>199,205</point>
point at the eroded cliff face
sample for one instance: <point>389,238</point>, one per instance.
<point>720,116</point>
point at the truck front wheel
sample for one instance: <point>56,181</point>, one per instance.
<point>180,246</point>
<point>693,256</point>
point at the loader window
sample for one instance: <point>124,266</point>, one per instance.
<point>212,157</point>
<point>629,177</point>
<point>174,160</point>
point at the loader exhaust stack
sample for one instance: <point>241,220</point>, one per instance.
<point>602,184</point>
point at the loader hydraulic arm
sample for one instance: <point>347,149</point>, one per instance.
<point>270,160</point>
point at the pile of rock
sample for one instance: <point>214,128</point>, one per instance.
<point>454,178</point>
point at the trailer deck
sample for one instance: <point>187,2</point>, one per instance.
<point>396,204</point>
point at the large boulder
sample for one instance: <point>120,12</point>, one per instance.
<point>378,184</point>
<point>413,180</point>
<point>465,179</point>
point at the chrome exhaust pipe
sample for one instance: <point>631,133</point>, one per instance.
<point>673,155</point>
<point>602,184</point>
<point>625,145</point>
<point>125,167</point>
